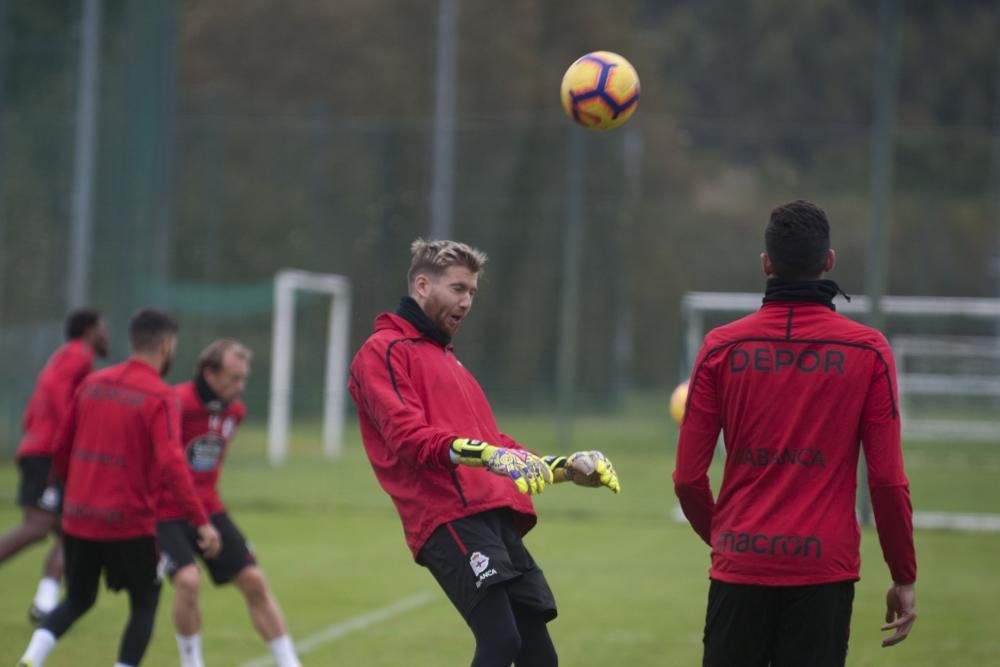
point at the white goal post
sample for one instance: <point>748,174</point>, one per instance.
<point>286,284</point>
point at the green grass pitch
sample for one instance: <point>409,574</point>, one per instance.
<point>630,583</point>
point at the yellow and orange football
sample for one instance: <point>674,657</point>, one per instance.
<point>600,90</point>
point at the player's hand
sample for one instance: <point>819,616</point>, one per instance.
<point>209,541</point>
<point>526,470</point>
<point>900,612</point>
<point>591,469</point>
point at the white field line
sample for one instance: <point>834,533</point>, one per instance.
<point>351,625</point>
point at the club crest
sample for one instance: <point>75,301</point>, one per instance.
<point>478,562</point>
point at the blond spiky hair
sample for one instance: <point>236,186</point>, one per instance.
<point>435,257</point>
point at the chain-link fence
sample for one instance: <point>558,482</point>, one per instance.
<point>207,185</point>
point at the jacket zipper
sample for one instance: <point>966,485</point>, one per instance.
<point>458,487</point>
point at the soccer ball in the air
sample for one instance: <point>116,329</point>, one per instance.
<point>600,90</point>
<point>678,400</point>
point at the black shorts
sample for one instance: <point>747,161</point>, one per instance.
<point>469,555</point>
<point>781,626</point>
<point>126,564</point>
<point>179,544</point>
<point>35,489</point>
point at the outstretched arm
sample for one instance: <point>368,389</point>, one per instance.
<point>528,472</point>
<point>382,390</point>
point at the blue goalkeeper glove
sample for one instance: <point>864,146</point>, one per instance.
<point>526,470</point>
<point>591,469</point>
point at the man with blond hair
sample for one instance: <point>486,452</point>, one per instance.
<point>461,487</point>
<point>211,410</point>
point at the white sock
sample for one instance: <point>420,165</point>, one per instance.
<point>41,644</point>
<point>122,664</point>
<point>284,652</point>
<point>47,596</point>
<point>190,649</point>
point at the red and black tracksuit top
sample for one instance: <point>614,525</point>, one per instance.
<point>63,373</point>
<point>206,429</point>
<point>120,442</point>
<point>414,398</point>
<point>797,391</point>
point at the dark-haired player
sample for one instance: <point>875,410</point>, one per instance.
<point>798,391</point>
<point>41,500</point>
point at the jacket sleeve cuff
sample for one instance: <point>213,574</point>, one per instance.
<point>894,522</point>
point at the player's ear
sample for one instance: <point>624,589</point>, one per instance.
<point>766,265</point>
<point>421,285</point>
<point>168,346</point>
<point>831,260</point>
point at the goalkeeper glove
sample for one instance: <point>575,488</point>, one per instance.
<point>526,470</point>
<point>584,468</point>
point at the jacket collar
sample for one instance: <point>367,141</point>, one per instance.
<point>803,291</point>
<point>81,347</point>
<point>411,311</point>
<point>142,366</point>
<point>207,396</point>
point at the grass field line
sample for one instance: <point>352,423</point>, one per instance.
<point>351,625</point>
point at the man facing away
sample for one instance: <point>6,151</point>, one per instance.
<point>211,410</point>
<point>86,338</point>
<point>119,443</point>
<point>461,487</point>
<point>798,391</point>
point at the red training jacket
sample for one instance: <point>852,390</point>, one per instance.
<point>205,435</point>
<point>119,443</point>
<point>62,374</point>
<point>414,397</point>
<point>795,388</point>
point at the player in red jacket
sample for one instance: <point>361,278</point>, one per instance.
<point>119,442</point>
<point>211,410</point>
<point>798,391</point>
<point>41,500</point>
<point>460,486</point>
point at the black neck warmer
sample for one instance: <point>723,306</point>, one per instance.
<point>411,311</point>
<point>208,397</point>
<point>806,291</point>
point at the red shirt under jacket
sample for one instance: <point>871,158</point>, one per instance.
<point>63,373</point>
<point>414,397</point>
<point>795,388</point>
<point>119,443</point>
<point>205,435</point>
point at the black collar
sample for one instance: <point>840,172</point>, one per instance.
<point>209,398</point>
<point>411,311</point>
<point>807,291</point>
